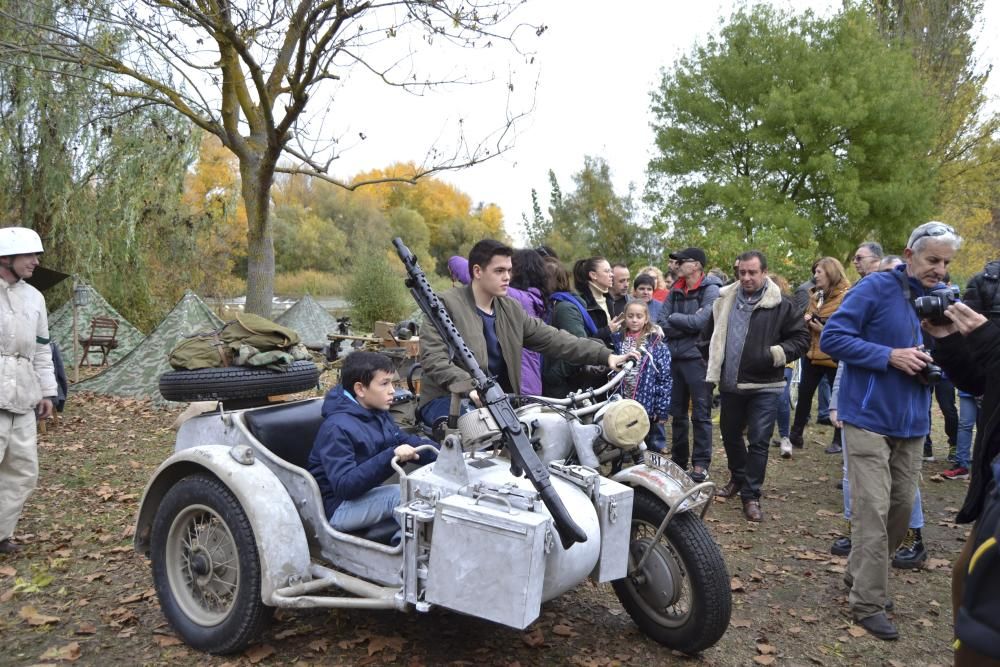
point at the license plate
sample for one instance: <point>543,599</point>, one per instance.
<point>656,460</point>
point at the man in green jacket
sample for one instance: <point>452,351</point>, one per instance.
<point>496,329</point>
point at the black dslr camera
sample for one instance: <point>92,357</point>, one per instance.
<point>931,373</point>
<point>932,306</point>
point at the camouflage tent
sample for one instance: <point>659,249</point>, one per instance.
<point>137,375</point>
<point>310,320</point>
<point>61,326</point>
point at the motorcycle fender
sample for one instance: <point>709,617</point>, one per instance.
<point>277,527</point>
<point>657,482</point>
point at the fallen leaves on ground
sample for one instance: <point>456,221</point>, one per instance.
<point>68,653</point>
<point>31,616</point>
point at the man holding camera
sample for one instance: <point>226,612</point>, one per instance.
<point>883,405</point>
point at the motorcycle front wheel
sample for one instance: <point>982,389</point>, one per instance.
<point>680,598</point>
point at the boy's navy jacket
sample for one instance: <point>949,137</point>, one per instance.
<point>354,448</point>
<point>874,319</point>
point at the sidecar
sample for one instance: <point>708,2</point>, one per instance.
<point>234,526</point>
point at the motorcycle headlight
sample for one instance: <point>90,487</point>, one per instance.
<point>625,424</point>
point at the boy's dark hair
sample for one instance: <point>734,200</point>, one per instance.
<point>644,279</point>
<point>750,254</point>
<point>484,251</point>
<point>528,270</point>
<point>361,367</point>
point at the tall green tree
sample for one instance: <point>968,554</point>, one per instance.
<point>245,71</point>
<point>798,135</point>
<point>98,178</point>
<point>940,34</point>
<point>592,219</point>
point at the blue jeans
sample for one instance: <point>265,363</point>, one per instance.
<point>916,514</point>
<point>747,460</point>
<point>372,507</point>
<point>656,439</point>
<point>432,412</point>
<point>823,402</point>
<point>690,386</point>
<point>785,406</point>
<point>968,411</point>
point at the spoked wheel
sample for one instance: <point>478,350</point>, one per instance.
<point>680,597</point>
<point>206,568</point>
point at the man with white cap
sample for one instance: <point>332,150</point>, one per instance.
<point>27,378</point>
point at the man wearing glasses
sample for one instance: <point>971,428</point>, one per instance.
<point>867,258</point>
<point>883,403</point>
<point>684,314</point>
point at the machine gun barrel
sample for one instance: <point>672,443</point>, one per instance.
<point>522,454</point>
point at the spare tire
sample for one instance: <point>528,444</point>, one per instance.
<point>237,382</point>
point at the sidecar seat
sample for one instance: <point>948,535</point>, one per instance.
<point>288,430</point>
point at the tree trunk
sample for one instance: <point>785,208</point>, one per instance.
<point>256,176</point>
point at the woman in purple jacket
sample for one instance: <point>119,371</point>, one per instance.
<point>527,287</point>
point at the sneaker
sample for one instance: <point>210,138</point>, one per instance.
<point>834,448</point>
<point>698,474</point>
<point>929,453</point>
<point>956,472</point>
<point>786,448</point>
<point>911,554</point>
<point>841,546</point>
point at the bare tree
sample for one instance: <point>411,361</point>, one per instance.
<point>246,70</point>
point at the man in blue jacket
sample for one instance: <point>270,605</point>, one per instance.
<point>684,314</point>
<point>356,443</point>
<point>884,407</point>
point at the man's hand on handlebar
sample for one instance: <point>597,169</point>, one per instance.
<point>619,360</point>
<point>406,453</point>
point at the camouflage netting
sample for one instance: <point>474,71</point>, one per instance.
<point>61,327</point>
<point>137,375</point>
<point>310,320</point>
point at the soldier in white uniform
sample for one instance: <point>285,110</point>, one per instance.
<point>27,379</point>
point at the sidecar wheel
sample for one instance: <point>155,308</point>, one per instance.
<point>206,569</point>
<point>681,597</point>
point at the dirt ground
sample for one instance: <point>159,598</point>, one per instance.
<point>79,592</point>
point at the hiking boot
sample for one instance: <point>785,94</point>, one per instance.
<point>911,554</point>
<point>879,626</point>
<point>752,511</point>
<point>956,472</point>
<point>834,448</point>
<point>786,448</point>
<point>9,546</point>
<point>730,489</point>
<point>929,453</point>
<point>842,545</point>
<point>698,474</point>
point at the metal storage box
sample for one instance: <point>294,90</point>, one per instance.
<point>614,512</point>
<point>487,560</point>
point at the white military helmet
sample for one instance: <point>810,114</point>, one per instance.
<point>19,241</point>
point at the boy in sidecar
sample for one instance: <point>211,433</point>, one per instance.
<point>351,456</point>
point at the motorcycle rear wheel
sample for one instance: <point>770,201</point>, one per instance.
<point>681,597</point>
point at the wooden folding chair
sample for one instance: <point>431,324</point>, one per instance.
<point>102,339</point>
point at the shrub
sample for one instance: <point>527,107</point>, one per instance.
<point>316,283</point>
<point>376,292</point>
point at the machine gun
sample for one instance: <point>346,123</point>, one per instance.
<point>522,454</point>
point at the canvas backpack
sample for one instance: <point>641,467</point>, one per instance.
<point>248,340</point>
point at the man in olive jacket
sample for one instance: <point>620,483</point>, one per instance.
<point>496,329</point>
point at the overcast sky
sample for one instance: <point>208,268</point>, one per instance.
<point>595,67</point>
